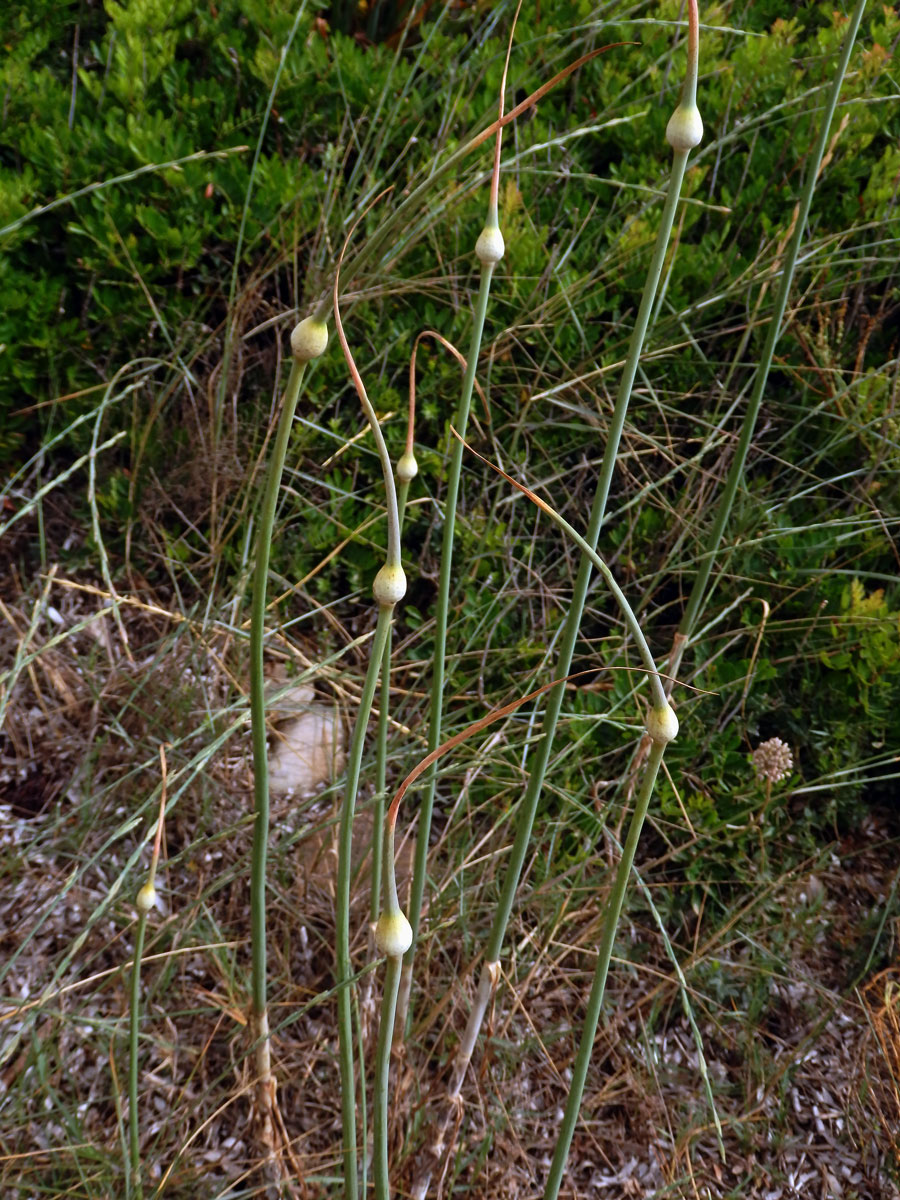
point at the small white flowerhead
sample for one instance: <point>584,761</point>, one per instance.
<point>772,760</point>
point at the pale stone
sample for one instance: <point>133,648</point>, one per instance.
<point>306,752</point>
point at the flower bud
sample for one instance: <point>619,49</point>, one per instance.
<point>390,584</point>
<point>685,128</point>
<point>309,339</point>
<point>146,898</point>
<point>490,245</point>
<point>407,467</point>
<point>662,724</point>
<point>393,934</point>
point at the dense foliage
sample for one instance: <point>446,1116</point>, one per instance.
<point>164,267</point>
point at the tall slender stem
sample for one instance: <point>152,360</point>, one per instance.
<point>308,341</point>
<point>342,903</point>
<point>135,1185</point>
<point>541,754</point>
<point>598,987</point>
<point>443,607</point>
<point>383,724</point>
<point>258,720</point>
<point>393,936</point>
<point>380,779</point>
<point>393,971</point>
<point>544,748</point>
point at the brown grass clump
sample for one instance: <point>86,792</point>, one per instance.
<point>79,754</point>
<point>879,1077</point>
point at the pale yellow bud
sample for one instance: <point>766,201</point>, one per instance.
<point>407,467</point>
<point>393,934</point>
<point>685,128</point>
<point>490,245</point>
<point>662,724</point>
<point>390,585</point>
<point>309,339</point>
<point>146,898</point>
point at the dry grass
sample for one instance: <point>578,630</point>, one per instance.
<point>805,1087</point>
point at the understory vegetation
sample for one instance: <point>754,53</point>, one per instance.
<point>177,182</point>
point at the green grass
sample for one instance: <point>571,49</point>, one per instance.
<point>128,453</point>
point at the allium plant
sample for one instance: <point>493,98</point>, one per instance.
<point>308,340</point>
<point>394,935</point>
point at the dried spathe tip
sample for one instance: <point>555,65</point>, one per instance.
<point>662,724</point>
<point>685,128</point>
<point>772,760</point>
<point>309,339</point>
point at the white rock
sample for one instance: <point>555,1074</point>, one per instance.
<point>306,752</point>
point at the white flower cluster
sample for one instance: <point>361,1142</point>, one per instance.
<point>772,760</point>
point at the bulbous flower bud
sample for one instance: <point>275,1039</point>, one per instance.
<point>309,339</point>
<point>490,246</point>
<point>685,128</point>
<point>390,584</point>
<point>407,467</point>
<point>146,898</point>
<point>662,724</point>
<point>393,934</point>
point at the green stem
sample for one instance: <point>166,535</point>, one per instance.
<point>390,489</point>
<point>258,704</point>
<point>386,940</point>
<point>342,903</point>
<point>393,971</point>
<point>692,67</point>
<point>381,750</point>
<point>443,608</point>
<point>380,778</point>
<point>735,474</point>
<point>402,493</point>
<point>595,1001</point>
<point>135,1184</point>
<point>392,554</point>
<point>542,752</point>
